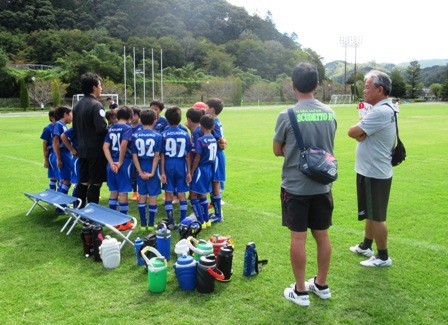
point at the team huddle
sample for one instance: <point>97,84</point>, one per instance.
<point>148,153</point>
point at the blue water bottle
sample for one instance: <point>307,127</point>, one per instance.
<point>163,235</point>
<point>138,246</point>
<point>250,259</point>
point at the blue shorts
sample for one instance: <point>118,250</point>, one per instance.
<point>219,173</point>
<point>74,165</point>
<point>201,182</point>
<point>176,176</point>
<point>152,186</point>
<point>121,181</point>
<point>50,172</point>
<point>63,173</point>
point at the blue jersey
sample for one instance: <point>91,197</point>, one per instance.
<point>70,134</point>
<point>161,124</point>
<point>146,143</point>
<point>176,143</point>
<point>218,131</point>
<point>58,129</point>
<point>115,135</point>
<point>47,135</point>
<point>206,146</point>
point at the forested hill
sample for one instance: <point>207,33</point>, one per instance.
<point>216,20</point>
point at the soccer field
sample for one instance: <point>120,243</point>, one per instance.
<point>45,278</point>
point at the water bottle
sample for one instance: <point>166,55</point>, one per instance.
<point>250,259</point>
<point>224,262</point>
<point>87,242</point>
<point>138,246</point>
<point>97,238</point>
<point>185,270</point>
<point>207,273</point>
<point>163,235</point>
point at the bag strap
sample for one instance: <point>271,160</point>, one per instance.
<point>396,120</point>
<point>295,128</point>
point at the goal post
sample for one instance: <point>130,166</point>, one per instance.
<point>102,99</point>
<point>340,99</point>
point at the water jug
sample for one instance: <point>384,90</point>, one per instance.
<point>220,241</point>
<point>87,242</point>
<point>207,273</point>
<point>150,240</point>
<point>185,270</point>
<point>157,270</point>
<point>110,252</point>
<point>202,248</point>
<point>181,248</point>
<point>138,247</point>
<point>224,262</point>
<point>97,238</point>
<point>189,227</point>
<point>163,235</point>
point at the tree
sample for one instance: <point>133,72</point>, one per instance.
<point>445,87</point>
<point>436,89</point>
<point>398,84</point>
<point>24,100</point>
<point>56,92</point>
<point>413,73</point>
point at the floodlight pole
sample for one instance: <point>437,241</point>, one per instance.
<point>357,40</point>
<point>345,41</point>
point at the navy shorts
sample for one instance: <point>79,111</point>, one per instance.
<point>373,197</point>
<point>300,212</point>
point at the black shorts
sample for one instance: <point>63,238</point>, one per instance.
<point>300,212</point>
<point>93,170</point>
<point>373,197</point>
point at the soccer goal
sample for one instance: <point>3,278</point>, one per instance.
<point>340,99</point>
<point>77,98</point>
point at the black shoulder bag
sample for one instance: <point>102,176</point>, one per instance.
<point>399,151</point>
<point>316,163</point>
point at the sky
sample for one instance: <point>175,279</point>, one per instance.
<point>389,31</point>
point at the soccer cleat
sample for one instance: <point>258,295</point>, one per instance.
<point>290,295</point>
<point>150,228</point>
<point>375,261</point>
<point>358,250</point>
<point>204,225</point>
<point>126,226</point>
<point>213,219</point>
<point>143,228</point>
<point>134,196</point>
<point>310,285</point>
<point>209,224</point>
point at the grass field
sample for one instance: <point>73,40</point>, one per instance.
<point>44,277</point>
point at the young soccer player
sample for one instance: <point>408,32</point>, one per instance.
<point>47,147</point>
<point>116,149</point>
<point>136,126</point>
<point>202,170</point>
<point>62,156</point>
<point>70,141</point>
<point>161,122</point>
<point>214,108</point>
<point>175,163</point>
<point>111,117</point>
<point>146,148</point>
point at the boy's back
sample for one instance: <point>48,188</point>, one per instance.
<point>115,135</point>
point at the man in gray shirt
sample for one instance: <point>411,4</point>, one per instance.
<point>305,202</point>
<point>376,136</point>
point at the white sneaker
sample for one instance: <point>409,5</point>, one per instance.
<point>322,294</point>
<point>303,301</point>
<point>358,250</point>
<point>374,261</point>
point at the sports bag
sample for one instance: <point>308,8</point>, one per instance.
<point>399,151</point>
<point>316,163</point>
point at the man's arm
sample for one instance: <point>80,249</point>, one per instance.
<point>357,133</point>
<point>278,149</point>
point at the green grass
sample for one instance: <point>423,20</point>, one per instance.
<point>44,277</point>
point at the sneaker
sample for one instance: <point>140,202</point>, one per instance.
<point>143,228</point>
<point>375,261</point>
<point>213,219</point>
<point>134,196</point>
<point>358,250</point>
<point>126,226</point>
<point>310,285</point>
<point>204,225</point>
<point>151,228</point>
<point>209,224</point>
<point>303,301</point>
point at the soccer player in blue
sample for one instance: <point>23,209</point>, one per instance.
<point>117,151</point>
<point>62,156</point>
<point>136,126</point>
<point>214,108</point>
<point>175,163</point>
<point>202,170</point>
<point>146,148</point>
<point>47,147</point>
<point>70,141</point>
<point>161,122</point>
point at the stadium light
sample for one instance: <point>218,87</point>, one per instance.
<point>349,41</point>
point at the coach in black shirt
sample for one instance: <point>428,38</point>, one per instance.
<point>90,128</point>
